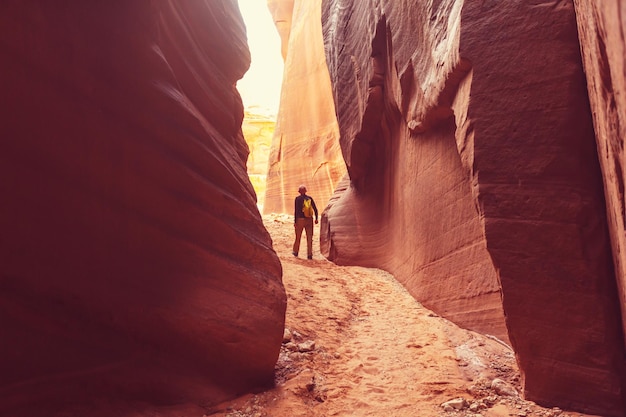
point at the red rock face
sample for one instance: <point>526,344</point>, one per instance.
<point>134,263</point>
<point>601,27</point>
<point>474,179</point>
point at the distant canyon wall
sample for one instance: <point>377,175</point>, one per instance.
<point>134,264</point>
<point>305,149</point>
<point>474,177</point>
<point>258,131</point>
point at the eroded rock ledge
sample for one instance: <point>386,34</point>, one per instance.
<point>474,179</point>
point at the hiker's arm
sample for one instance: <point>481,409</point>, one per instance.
<point>314,208</point>
<point>295,210</point>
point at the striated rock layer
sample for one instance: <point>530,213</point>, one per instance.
<point>305,148</point>
<point>473,178</point>
<point>134,265</point>
<point>601,28</point>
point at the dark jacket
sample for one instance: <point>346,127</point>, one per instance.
<point>299,201</point>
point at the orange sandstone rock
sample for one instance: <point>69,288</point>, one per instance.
<point>601,28</point>
<point>258,130</point>
<point>305,149</point>
<point>474,179</point>
<point>134,266</point>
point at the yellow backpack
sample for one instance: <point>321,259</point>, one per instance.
<point>307,209</point>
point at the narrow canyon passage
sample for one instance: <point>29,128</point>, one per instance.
<point>377,351</point>
<point>473,149</point>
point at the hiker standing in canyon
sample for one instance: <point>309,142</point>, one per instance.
<point>304,208</point>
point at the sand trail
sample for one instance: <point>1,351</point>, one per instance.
<point>377,351</point>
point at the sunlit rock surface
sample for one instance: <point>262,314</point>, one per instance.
<point>474,179</point>
<point>134,265</point>
<point>305,149</point>
<point>258,131</point>
<point>601,27</point>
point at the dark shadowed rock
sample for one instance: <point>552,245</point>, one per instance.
<point>134,265</point>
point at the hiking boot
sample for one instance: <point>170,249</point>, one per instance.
<point>295,254</point>
<point>309,257</point>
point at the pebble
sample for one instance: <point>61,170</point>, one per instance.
<point>286,335</point>
<point>291,346</point>
<point>490,400</point>
<point>503,388</point>
<point>307,346</point>
<point>455,404</point>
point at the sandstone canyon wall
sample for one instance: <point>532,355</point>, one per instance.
<point>474,179</point>
<point>258,131</point>
<point>602,29</point>
<point>134,265</point>
<point>305,148</point>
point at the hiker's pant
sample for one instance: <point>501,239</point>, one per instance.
<point>305,223</point>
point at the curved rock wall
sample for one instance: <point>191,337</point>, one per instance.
<point>305,148</point>
<point>474,179</point>
<point>134,265</point>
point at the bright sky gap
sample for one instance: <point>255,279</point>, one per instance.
<point>260,87</point>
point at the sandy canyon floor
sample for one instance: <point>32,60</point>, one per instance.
<point>362,346</point>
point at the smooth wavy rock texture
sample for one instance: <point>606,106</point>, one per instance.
<point>305,149</point>
<point>474,179</point>
<point>134,263</point>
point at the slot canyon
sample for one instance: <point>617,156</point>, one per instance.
<point>473,149</point>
